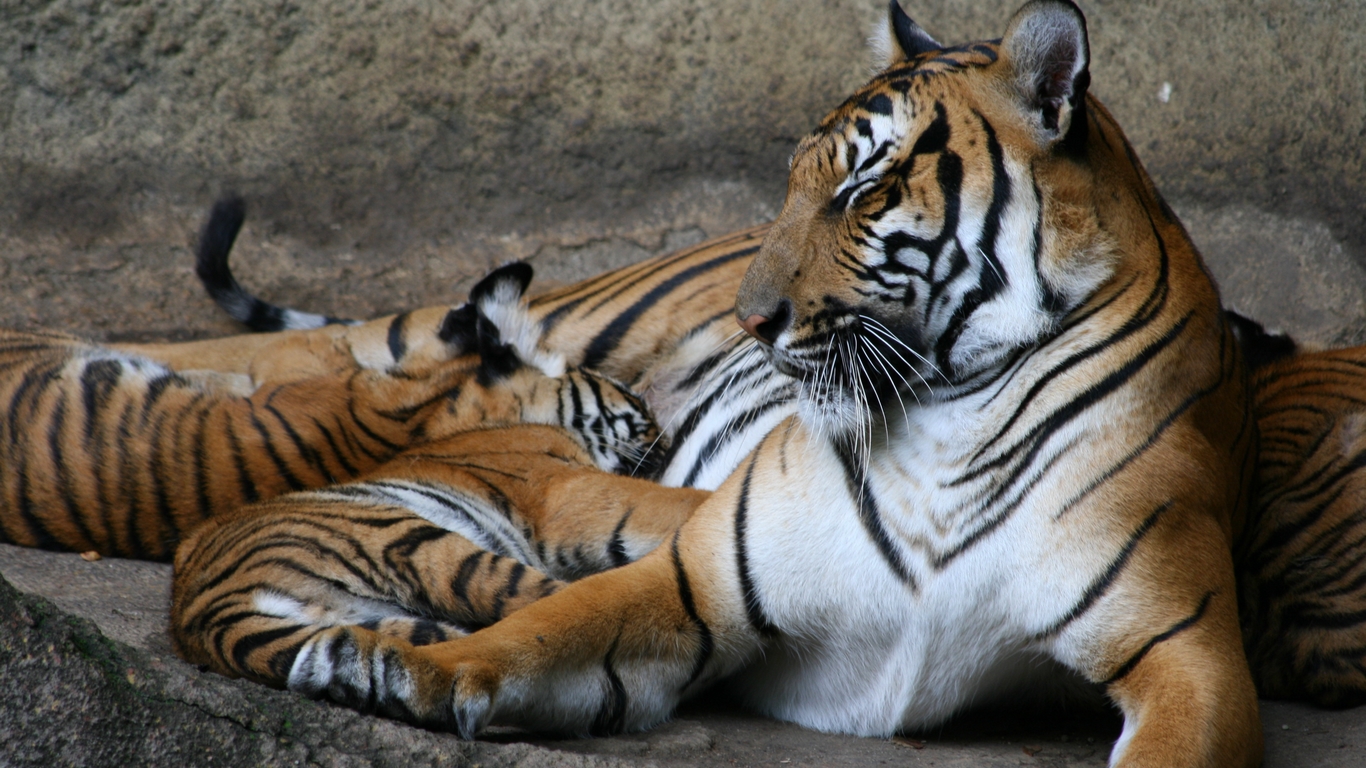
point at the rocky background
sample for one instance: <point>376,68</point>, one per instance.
<point>392,150</point>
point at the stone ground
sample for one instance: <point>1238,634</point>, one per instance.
<point>202,719</point>
<point>392,150</point>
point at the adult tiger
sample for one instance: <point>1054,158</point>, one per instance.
<point>110,451</point>
<point>1024,432</point>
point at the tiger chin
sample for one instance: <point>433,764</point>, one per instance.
<point>1039,446</point>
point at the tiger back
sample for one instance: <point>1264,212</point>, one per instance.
<point>618,323</point>
<point>120,454</point>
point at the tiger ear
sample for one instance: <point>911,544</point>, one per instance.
<point>506,283</point>
<point>1046,48</point>
<point>900,39</point>
<point>497,359</point>
<point>467,329</point>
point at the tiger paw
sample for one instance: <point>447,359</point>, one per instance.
<point>472,695</point>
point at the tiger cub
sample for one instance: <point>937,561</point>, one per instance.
<point>1302,558</point>
<point>618,323</point>
<point>328,592</point>
<point>118,453</point>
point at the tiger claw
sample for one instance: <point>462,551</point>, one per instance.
<point>471,703</point>
<point>471,714</point>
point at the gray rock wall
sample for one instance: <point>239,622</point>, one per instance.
<point>391,150</point>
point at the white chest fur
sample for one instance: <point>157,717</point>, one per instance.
<point>936,589</point>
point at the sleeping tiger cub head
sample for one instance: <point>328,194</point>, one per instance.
<point>515,380</point>
<point>938,221</point>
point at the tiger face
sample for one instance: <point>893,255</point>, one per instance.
<point>935,223</point>
<point>518,381</point>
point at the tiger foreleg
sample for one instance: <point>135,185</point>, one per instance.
<point>613,652</point>
<point>1185,701</point>
<point>577,519</point>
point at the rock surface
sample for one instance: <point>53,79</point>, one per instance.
<point>392,150</point>
<point>129,701</point>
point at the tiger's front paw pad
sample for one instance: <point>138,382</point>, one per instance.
<point>472,695</point>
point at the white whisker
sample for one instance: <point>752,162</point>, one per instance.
<point>991,264</point>
<point>887,337</point>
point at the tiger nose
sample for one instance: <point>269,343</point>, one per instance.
<point>767,329</point>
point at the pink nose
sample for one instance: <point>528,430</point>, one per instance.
<point>751,325</point>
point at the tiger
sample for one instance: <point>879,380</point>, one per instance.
<point>1018,450</point>
<point>1301,562</point>
<point>120,454</point>
<point>447,538</point>
<point>619,323</point>
<point>662,326</point>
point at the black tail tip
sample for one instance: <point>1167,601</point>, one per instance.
<point>216,240</point>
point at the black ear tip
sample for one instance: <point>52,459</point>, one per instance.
<point>912,39</point>
<point>518,273</point>
<point>1259,345</point>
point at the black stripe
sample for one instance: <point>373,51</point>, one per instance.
<point>1038,436</point>
<point>1176,629</point>
<point>733,429</point>
<point>1101,585</point>
<point>1138,450</point>
<point>856,479</point>
<point>460,583</point>
<point>128,479</point>
<point>398,347</point>
<point>754,608</point>
<point>37,380</point>
<point>607,340</point>
<point>353,445</point>
<point>611,717</point>
<point>392,448</point>
<point>705,644</point>
<point>201,465</point>
<point>991,279</point>
<point>98,382</point>
<point>292,480</point>
<point>65,484</point>
<point>337,453</point>
<point>245,645</point>
<point>514,579</point>
<point>246,485</point>
<point>616,547</point>
<point>304,450</point>
<point>161,446</point>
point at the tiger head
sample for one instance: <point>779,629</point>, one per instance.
<point>514,380</point>
<point>938,222</point>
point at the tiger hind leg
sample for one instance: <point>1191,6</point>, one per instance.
<point>321,593</point>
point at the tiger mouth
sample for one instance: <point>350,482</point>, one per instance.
<point>848,367</point>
